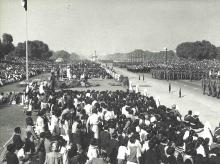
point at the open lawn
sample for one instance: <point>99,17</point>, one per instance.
<point>11,116</point>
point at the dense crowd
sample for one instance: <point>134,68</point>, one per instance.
<point>12,69</point>
<point>117,127</point>
<point>85,69</point>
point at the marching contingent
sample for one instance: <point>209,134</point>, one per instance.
<point>207,71</point>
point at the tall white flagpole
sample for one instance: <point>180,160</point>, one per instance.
<point>27,78</point>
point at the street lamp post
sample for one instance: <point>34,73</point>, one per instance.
<point>166,54</point>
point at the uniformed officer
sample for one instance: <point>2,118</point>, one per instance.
<point>180,93</point>
<point>169,87</point>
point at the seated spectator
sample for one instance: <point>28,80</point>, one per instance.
<point>188,118</point>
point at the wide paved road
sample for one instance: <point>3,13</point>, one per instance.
<point>192,98</point>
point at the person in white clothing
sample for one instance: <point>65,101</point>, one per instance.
<point>68,73</point>
<point>39,124</point>
<point>41,88</point>
<point>122,153</point>
<point>93,122</point>
<point>53,122</point>
<point>92,150</point>
<point>88,108</point>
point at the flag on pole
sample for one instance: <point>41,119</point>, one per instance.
<point>24,4</point>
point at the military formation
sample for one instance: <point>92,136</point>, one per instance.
<point>211,86</point>
<point>208,71</point>
<point>177,74</point>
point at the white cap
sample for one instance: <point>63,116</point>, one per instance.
<point>196,113</point>
<point>138,129</point>
<point>153,119</point>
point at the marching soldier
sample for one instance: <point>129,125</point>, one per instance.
<point>218,87</point>
<point>204,81</point>
<point>180,93</point>
<point>214,89</point>
<point>209,87</point>
<point>169,87</point>
<point>190,75</point>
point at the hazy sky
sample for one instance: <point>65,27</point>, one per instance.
<point>109,26</point>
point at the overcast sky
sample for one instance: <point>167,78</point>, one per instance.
<point>110,26</point>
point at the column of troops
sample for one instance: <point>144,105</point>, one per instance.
<point>177,74</point>
<point>139,69</point>
<point>210,81</point>
<point>211,86</point>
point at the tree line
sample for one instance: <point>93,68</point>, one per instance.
<point>198,50</point>
<point>36,49</point>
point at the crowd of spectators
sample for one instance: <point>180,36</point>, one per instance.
<point>10,98</point>
<point>82,69</point>
<point>117,127</point>
<point>12,69</point>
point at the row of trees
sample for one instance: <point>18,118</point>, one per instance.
<point>197,50</point>
<point>36,48</point>
<point>66,56</point>
<point>6,45</point>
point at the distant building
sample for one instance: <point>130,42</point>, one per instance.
<point>136,57</point>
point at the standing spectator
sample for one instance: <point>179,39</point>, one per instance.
<point>104,138</point>
<point>72,155</point>
<point>30,124</point>
<point>17,138</point>
<point>53,157</point>
<point>134,152</point>
<point>40,149</point>
<point>150,156</point>
<point>39,123</point>
<point>122,152</point>
<point>92,150</point>
<point>93,122</point>
<point>112,149</point>
<point>11,157</point>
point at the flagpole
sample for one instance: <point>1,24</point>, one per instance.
<point>27,78</point>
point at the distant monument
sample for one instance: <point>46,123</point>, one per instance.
<point>94,57</point>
